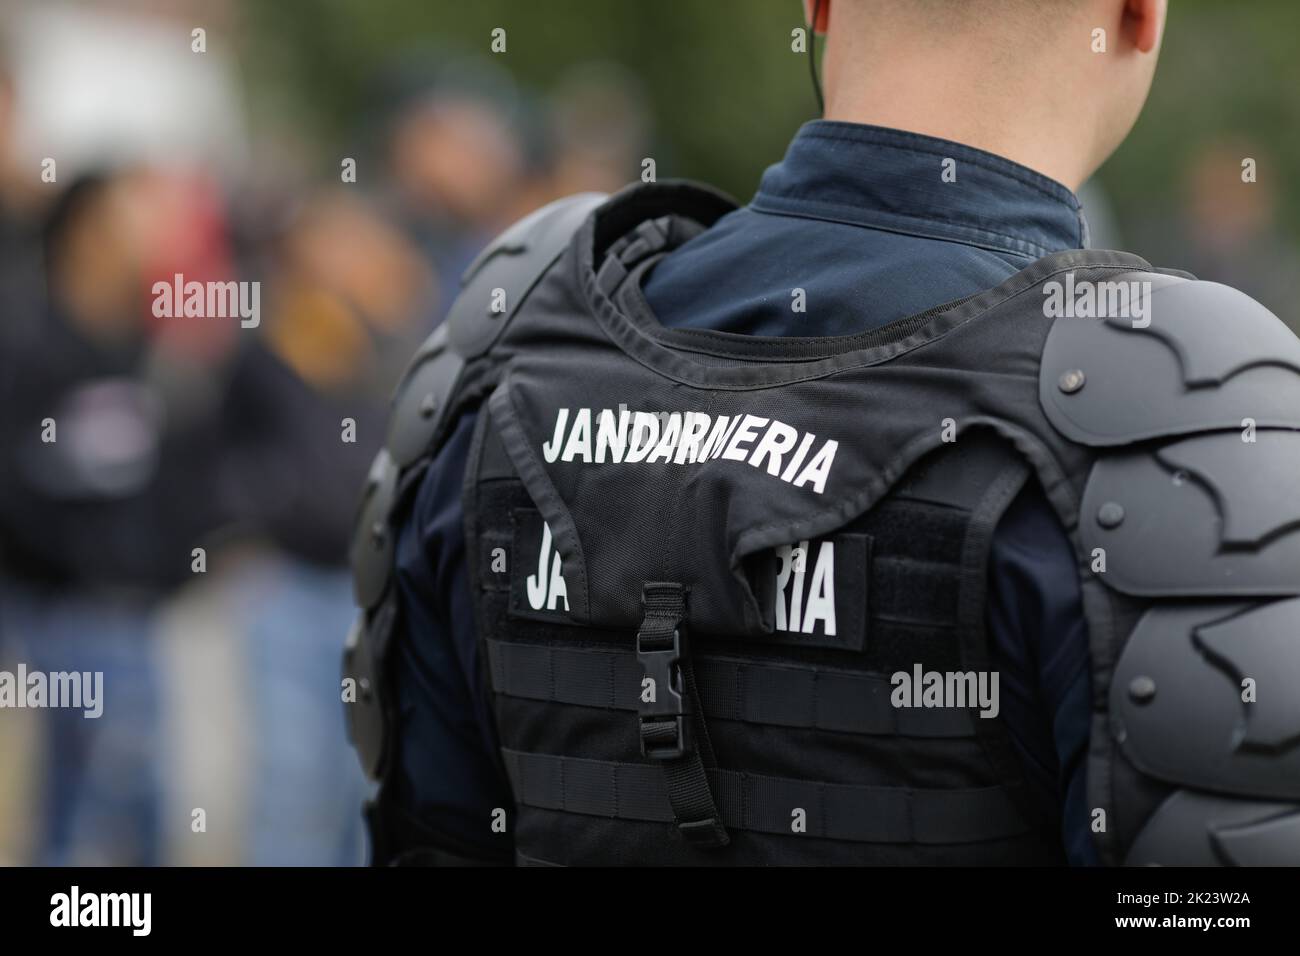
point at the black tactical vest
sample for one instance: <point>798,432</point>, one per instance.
<point>730,590</point>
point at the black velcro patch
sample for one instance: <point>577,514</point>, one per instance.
<point>537,586</point>
<point>816,592</point>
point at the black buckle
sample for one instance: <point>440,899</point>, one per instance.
<point>663,720</point>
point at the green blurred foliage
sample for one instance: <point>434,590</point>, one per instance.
<point>726,91</point>
<point>1228,72</point>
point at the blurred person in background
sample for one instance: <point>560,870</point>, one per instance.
<point>469,151</point>
<point>460,157</point>
<point>345,293</point>
<point>601,126</point>
<point>21,207</point>
<point>1231,234</point>
<point>177,432</point>
<point>97,524</point>
<point>21,297</point>
<point>170,429</point>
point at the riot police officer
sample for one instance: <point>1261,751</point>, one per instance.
<point>879,520</point>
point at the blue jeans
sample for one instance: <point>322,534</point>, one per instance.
<point>307,785</point>
<point>101,781</point>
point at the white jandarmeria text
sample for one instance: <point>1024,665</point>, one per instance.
<point>623,437</point>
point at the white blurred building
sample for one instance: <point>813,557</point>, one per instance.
<point>116,82</point>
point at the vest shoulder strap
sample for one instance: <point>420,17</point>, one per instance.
<point>502,275</point>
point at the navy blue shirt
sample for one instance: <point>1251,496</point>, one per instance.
<point>863,220</point>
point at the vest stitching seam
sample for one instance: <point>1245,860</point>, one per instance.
<point>613,684</point>
<point>564,793</point>
<point>744,801</point>
<point>613,776</point>
<point>816,700</point>
<point>633,341</point>
<point>550,674</point>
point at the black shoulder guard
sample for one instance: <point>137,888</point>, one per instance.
<point>492,289</point>
<point>1191,405</point>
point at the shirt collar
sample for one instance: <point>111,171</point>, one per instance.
<point>893,179</point>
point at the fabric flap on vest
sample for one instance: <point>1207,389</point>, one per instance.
<point>666,461</point>
<point>639,478</point>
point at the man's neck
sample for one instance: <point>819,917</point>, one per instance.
<point>1008,113</point>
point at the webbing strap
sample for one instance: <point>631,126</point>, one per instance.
<point>781,695</point>
<point>636,791</point>
<point>672,727</point>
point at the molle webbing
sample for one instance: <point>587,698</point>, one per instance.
<point>810,698</point>
<point>865,772</point>
<point>749,801</point>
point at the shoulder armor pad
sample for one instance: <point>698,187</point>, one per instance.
<point>1208,515</point>
<point>492,290</point>
<point>372,539</point>
<point>1190,391</point>
<point>423,398</point>
<point>502,275</point>
<point>365,720</point>
<point>1196,829</point>
<point>499,279</point>
<point>1184,713</point>
<point>1187,356</point>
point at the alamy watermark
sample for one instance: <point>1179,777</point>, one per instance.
<point>130,910</point>
<point>1086,299</point>
<point>56,689</point>
<point>208,300</point>
<point>960,689</point>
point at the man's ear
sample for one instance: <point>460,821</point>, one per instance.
<point>1143,22</point>
<point>823,15</point>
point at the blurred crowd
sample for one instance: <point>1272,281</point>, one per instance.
<point>176,493</point>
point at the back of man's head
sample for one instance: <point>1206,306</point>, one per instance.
<point>1054,84</point>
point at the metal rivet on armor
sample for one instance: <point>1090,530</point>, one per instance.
<point>1110,515</point>
<point>378,534</point>
<point>1142,690</point>
<point>428,405</point>
<point>1072,380</point>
